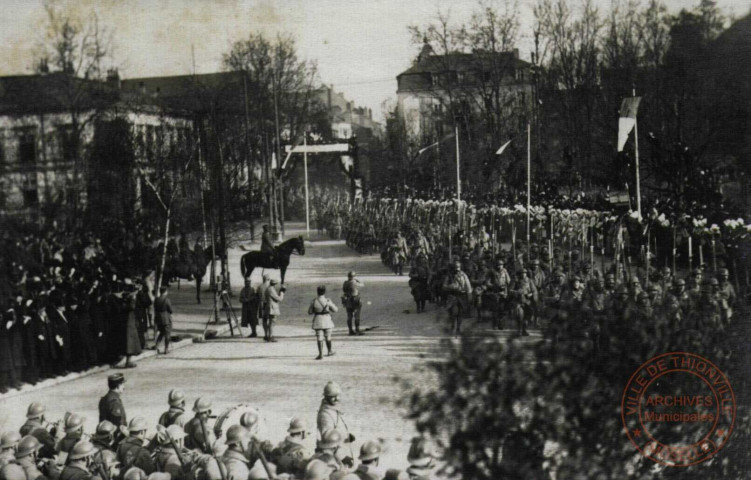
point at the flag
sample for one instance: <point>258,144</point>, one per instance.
<point>273,161</point>
<point>627,119</point>
<point>445,137</point>
<point>503,147</point>
<point>347,163</point>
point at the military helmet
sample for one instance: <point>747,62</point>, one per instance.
<point>10,439</point>
<point>332,389</point>
<point>135,473</point>
<point>137,424</point>
<point>330,439</point>
<point>249,419</point>
<point>535,262</point>
<point>73,422</point>
<point>315,470</point>
<point>107,458</point>
<point>176,432</point>
<point>297,425</point>
<point>82,449</point>
<point>202,405</point>
<point>697,271</point>
<point>723,272</point>
<point>610,276</point>
<point>622,291</point>
<point>679,282</point>
<point>654,288</point>
<point>237,435</point>
<point>457,265</point>
<point>35,410</point>
<point>28,445</point>
<point>13,471</point>
<point>370,450</point>
<point>176,397</point>
<point>105,428</point>
<point>714,282</point>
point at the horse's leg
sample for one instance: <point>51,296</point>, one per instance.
<point>283,270</point>
<point>198,289</point>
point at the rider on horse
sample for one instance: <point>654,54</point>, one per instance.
<point>267,244</point>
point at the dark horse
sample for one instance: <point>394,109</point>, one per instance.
<point>188,267</point>
<point>252,260</point>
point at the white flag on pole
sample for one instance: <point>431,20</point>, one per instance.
<point>627,119</point>
<point>503,147</point>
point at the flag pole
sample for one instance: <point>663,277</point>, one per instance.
<point>636,150</point>
<point>458,177</point>
<point>307,201</point>
<point>529,174</point>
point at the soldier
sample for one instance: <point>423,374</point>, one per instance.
<point>351,301</point>
<point>318,470</point>
<point>8,443</point>
<point>419,278</point>
<point>235,457</point>
<point>610,285</point>
<point>327,451</point>
<point>497,283</point>
<point>329,416</point>
<point>14,471</point>
<point>111,406</point>
<point>267,244</point>
<point>421,460</point>
<point>163,312</point>
<point>27,455</point>
<point>458,288</point>
<point>321,309</point>
<point>196,438</point>
<point>726,295</point>
<point>176,413</point>
<point>166,457</point>
<point>538,278</point>
<point>79,461</point>
<point>35,425</point>
<point>272,301</point>
<point>370,453</point>
<point>523,298</point>
<point>251,421</point>
<point>132,452</point>
<point>262,304</point>
<point>105,462</point>
<point>104,438</point>
<point>73,433</point>
<point>571,305</point>
<point>249,301</point>
<point>680,297</point>
<point>291,455</point>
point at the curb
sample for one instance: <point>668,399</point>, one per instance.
<point>50,382</point>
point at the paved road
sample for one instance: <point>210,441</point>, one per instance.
<point>282,379</point>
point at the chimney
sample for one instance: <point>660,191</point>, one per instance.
<point>113,78</point>
<point>516,53</point>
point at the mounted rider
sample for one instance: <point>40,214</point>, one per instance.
<point>267,244</point>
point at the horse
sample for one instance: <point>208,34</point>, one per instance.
<point>252,260</point>
<point>188,267</point>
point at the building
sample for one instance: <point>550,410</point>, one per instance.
<point>435,82</point>
<point>65,139</point>
<point>347,119</point>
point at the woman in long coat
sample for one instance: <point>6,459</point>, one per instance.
<point>132,339</point>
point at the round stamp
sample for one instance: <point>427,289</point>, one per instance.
<point>678,409</point>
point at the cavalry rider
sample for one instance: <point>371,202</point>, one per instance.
<point>267,244</point>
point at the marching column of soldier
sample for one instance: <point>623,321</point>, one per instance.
<point>526,286</point>
<point>182,446</point>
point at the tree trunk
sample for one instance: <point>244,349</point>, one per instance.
<point>164,252</point>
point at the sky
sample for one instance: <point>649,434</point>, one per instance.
<point>359,45</point>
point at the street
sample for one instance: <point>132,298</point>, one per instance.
<point>281,379</point>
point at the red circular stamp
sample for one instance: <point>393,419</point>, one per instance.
<point>678,409</point>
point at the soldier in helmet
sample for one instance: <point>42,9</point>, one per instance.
<point>80,461</point>
<point>251,421</point>
<point>176,413</point>
<point>166,456</point>
<point>111,406</point>
<point>370,454</point>
<point>318,470</point>
<point>291,455</point>
<point>27,456</point>
<point>105,462</point>
<point>329,415</point>
<point>458,288</point>
<point>726,295</point>
<point>267,243</point>
<point>132,451</point>
<point>236,456</point>
<point>351,301</point>
<point>327,451</point>
<point>35,425</point>
<point>104,438</point>
<point>73,432</point>
<point>196,437</point>
<point>8,443</point>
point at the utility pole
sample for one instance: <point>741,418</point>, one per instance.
<point>278,153</point>
<point>636,150</point>
<point>458,173</point>
<point>249,164</point>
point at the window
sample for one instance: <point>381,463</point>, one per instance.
<point>29,190</point>
<point>27,148</point>
<point>68,143</point>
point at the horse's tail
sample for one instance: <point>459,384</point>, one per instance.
<point>243,269</point>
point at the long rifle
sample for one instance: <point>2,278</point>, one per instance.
<point>261,456</point>
<point>211,448</point>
